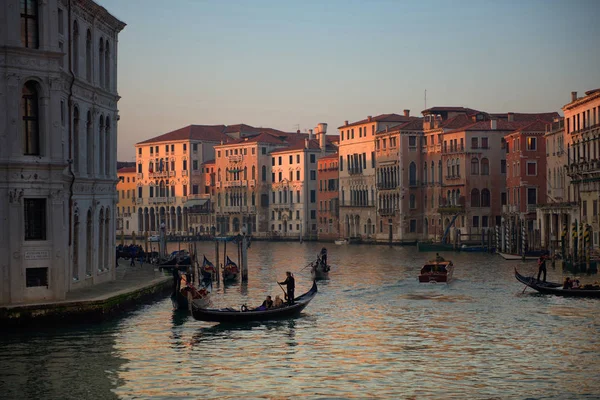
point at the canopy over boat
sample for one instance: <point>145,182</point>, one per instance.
<point>234,316</point>
<point>556,288</point>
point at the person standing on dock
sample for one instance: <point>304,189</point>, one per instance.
<point>291,286</point>
<point>541,267</point>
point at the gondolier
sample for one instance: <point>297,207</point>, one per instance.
<point>541,267</point>
<point>291,286</point>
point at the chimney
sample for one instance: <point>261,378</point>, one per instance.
<point>573,96</point>
<point>322,142</point>
<point>346,122</point>
<point>306,143</point>
<point>407,113</point>
<point>298,131</point>
<point>511,116</point>
<point>310,134</point>
<point>369,118</point>
<point>323,127</point>
<point>494,124</point>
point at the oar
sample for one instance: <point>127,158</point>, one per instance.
<point>526,286</point>
<point>284,292</point>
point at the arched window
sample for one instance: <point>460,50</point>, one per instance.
<point>474,166</point>
<point>226,174</point>
<point>425,173</point>
<point>76,148</point>
<point>457,167</point>
<point>440,170</point>
<point>485,198</point>
<point>245,173</point>
<point>107,139</point>
<point>412,201</point>
<point>412,171</point>
<point>253,172</point>
<point>107,65</point>
<point>89,244</point>
<point>101,240</point>
<point>264,173</point>
<point>89,135</point>
<point>30,115</point>
<point>448,168</point>
<point>485,166</point>
<point>432,172</point>
<point>88,56</point>
<point>101,138</point>
<point>101,62</point>
<point>29,24</point>
<point>475,198</point>
<point>75,48</point>
<point>219,175</point>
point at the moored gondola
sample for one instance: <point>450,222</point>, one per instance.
<point>248,315</point>
<point>556,288</point>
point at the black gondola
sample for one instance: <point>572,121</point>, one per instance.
<point>556,288</point>
<point>238,316</point>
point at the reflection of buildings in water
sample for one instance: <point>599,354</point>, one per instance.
<point>69,364</point>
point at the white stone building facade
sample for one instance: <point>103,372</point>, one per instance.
<point>58,127</point>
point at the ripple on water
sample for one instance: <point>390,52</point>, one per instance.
<point>371,332</point>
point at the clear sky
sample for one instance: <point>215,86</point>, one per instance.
<point>292,64</point>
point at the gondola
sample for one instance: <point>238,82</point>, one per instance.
<point>230,271</point>
<point>318,272</point>
<point>238,316</point>
<point>556,288</point>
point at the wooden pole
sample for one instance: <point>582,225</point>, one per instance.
<point>244,259</point>
<point>217,260</point>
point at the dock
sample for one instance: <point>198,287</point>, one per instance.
<point>134,286</point>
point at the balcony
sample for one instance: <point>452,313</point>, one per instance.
<point>509,208</point>
<point>161,174</point>
<point>355,171</point>
<point>387,211</point>
<point>184,172</point>
<point>139,201</point>
<point>234,184</point>
<point>531,208</point>
<point>235,158</point>
<point>448,208</point>
<point>172,173</point>
<point>140,176</point>
<point>387,186</point>
<point>161,200</point>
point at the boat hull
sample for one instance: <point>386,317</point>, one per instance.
<point>516,257</point>
<point>341,242</point>
<point>546,288</point>
<point>434,247</point>
<point>433,272</point>
<point>234,316</point>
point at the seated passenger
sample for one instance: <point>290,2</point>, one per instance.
<point>268,303</point>
<point>278,302</point>
<point>567,283</point>
<point>576,284</point>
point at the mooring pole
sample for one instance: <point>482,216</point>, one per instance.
<point>217,259</point>
<point>244,259</point>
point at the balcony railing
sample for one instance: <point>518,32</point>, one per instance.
<point>531,208</point>
<point>161,200</point>
<point>387,211</point>
<point>157,174</point>
<point>235,158</point>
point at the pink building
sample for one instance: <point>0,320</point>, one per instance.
<point>328,214</point>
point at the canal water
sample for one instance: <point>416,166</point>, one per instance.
<point>372,332</point>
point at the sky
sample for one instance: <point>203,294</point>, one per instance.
<point>292,64</point>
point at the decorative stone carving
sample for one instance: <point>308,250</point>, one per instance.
<point>15,196</point>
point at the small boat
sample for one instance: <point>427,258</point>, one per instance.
<point>474,249</point>
<point>188,292</point>
<point>556,288</point>
<point>154,238</point>
<point>435,271</point>
<point>319,271</point>
<point>341,241</point>
<point>248,315</point>
<point>528,256</point>
<point>230,271</point>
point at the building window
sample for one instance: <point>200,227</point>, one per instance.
<point>584,208</point>
<point>29,24</point>
<point>195,147</point>
<point>531,143</point>
<point>30,113</point>
<point>412,141</point>
<point>475,221</point>
<point>484,143</point>
<point>195,165</point>
<point>475,198</point>
<point>502,166</point>
<point>313,175</point>
<point>36,277</point>
<point>485,166</point>
<point>412,202</point>
<point>485,198</point>
<point>413,226</point>
<point>312,158</point>
<point>531,196</point>
<point>297,175</point>
<point>531,168</point>
<point>35,219</point>
<point>474,166</point>
<point>88,56</point>
<point>474,143</point>
<point>185,165</point>
<point>313,214</point>
<point>291,159</point>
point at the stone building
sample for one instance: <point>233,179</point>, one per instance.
<point>58,119</point>
<point>170,179</point>
<point>328,213</point>
<point>582,138</point>
<point>399,193</point>
<point>126,205</point>
<point>358,207</point>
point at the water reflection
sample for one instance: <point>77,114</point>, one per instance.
<point>371,332</point>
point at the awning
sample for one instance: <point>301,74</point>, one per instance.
<point>195,202</point>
